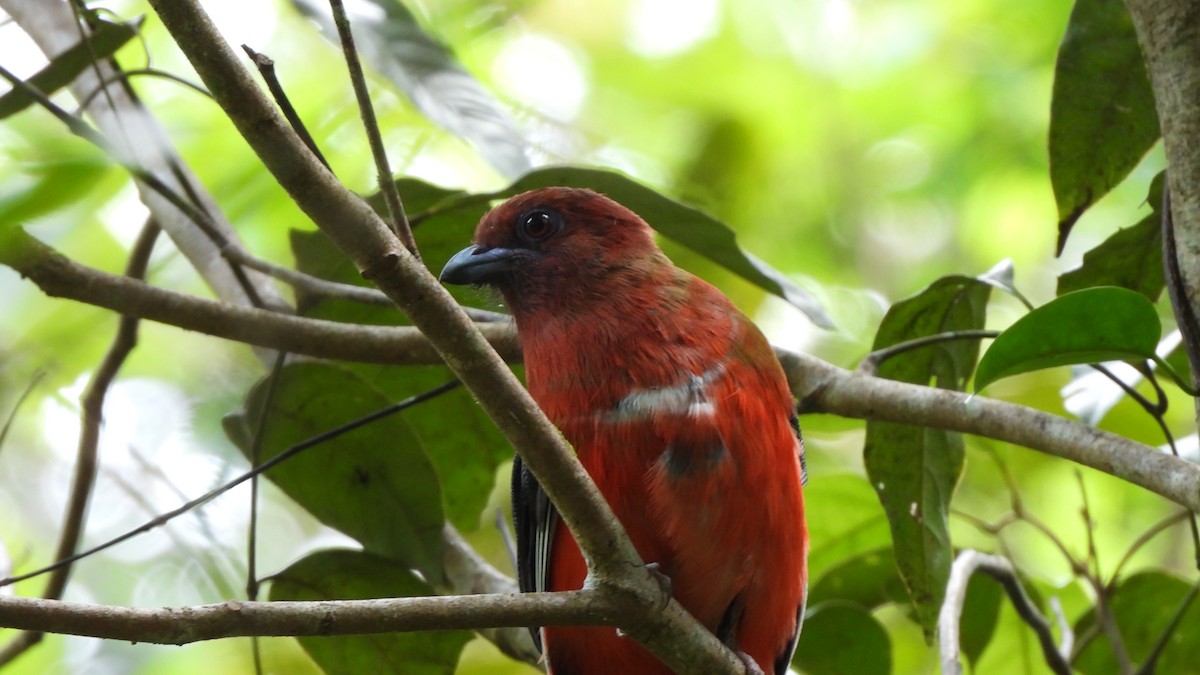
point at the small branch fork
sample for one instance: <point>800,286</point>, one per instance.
<point>965,565</point>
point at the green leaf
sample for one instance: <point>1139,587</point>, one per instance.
<point>1131,258</point>
<point>357,575</point>
<point>981,613</point>
<point>1102,116</point>
<point>841,638</point>
<point>868,580</point>
<point>106,38</point>
<point>374,483</point>
<point>393,43</point>
<point>454,432</point>
<point>685,225</point>
<point>1087,326</point>
<point>1143,606</point>
<point>914,470</point>
<point>859,529</point>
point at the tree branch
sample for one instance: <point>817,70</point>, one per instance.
<point>184,625</point>
<point>1169,34</point>
<point>965,565</point>
<point>819,386</point>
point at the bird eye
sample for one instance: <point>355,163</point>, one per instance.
<point>539,224</point>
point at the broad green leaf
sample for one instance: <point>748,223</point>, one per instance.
<point>392,42</point>
<point>1131,258</point>
<point>1143,605</point>
<point>106,38</point>
<point>841,638</point>
<point>913,469</point>
<point>357,575</point>
<point>868,580</point>
<point>860,528</point>
<point>1102,116</point>
<point>454,432</point>
<point>1096,324</point>
<point>374,483</point>
<point>981,613</point>
<point>685,225</point>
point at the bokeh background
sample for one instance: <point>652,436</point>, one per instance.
<point>863,147</point>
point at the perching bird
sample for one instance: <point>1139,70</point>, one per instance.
<point>675,405</point>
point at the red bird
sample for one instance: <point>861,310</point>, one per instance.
<point>676,406</point>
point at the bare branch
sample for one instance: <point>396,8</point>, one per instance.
<point>819,386</point>
<point>184,625</point>
<point>966,564</point>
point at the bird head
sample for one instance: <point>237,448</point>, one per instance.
<point>556,249</point>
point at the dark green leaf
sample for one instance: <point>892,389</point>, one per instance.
<point>1102,116</point>
<point>106,38</point>
<point>868,580</point>
<point>841,638</point>
<point>374,483</point>
<point>1132,258</point>
<point>685,225</point>
<point>914,470</point>
<point>981,613</point>
<point>455,433</point>
<point>357,575</point>
<point>396,46</point>
<point>1096,324</point>
<point>1143,606</point>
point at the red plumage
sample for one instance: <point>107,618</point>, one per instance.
<point>677,408</point>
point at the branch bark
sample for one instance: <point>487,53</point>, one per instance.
<point>819,386</point>
<point>184,625</point>
<point>1169,34</point>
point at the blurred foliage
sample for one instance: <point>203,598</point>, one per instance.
<point>863,150</point>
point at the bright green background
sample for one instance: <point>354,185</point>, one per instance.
<point>864,148</point>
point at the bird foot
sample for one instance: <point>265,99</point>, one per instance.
<point>664,581</point>
<point>751,665</point>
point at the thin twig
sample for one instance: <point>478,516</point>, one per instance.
<point>1104,615</point>
<point>871,362</point>
<point>966,564</point>
<point>124,75</point>
<point>86,460</point>
<point>24,395</point>
<point>161,520</point>
<point>391,196</point>
<point>266,68</point>
<point>1145,538</point>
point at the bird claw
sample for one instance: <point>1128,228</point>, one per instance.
<point>751,665</point>
<point>664,581</point>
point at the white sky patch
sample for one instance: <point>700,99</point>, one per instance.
<point>245,23</point>
<point>785,326</point>
<point>659,28</point>
<point>124,215</point>
<point>18,53</point>
<point>541,73</point>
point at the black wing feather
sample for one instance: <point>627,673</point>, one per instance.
<point>534,519</point>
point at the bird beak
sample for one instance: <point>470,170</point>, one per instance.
<point>477,265</point>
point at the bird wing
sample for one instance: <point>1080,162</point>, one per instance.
<point>535,520</point>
